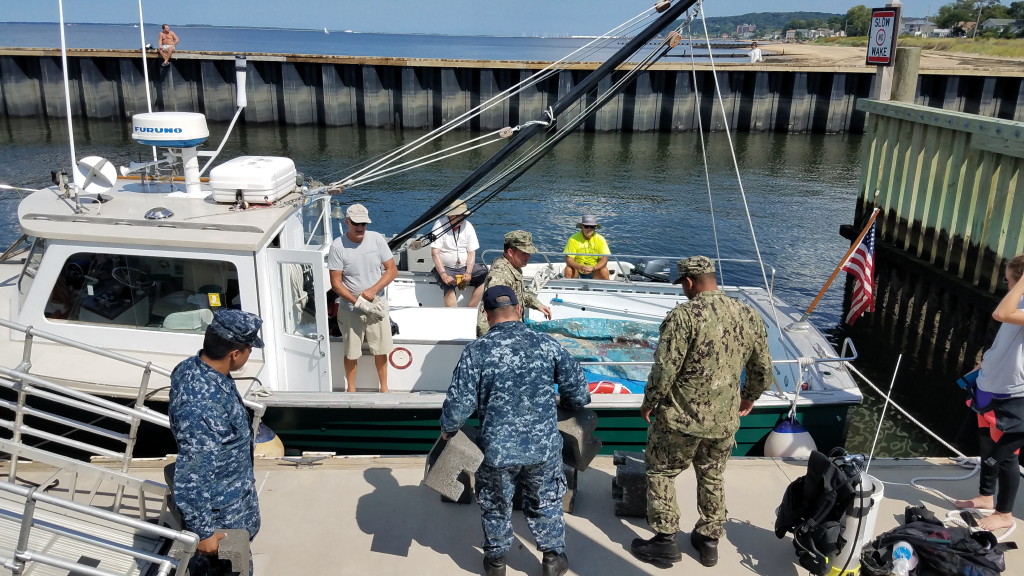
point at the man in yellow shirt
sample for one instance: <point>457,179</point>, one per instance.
<point>590,249</point>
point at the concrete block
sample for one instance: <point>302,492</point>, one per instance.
<point>629,487</point>
<point>451,465</point>
<point>235,549</point>
<point>579,444</point>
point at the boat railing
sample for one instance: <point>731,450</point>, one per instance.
<point>624,262</point>
<point>43,520</point>
<point>74,434</point>
<point>848,354</point>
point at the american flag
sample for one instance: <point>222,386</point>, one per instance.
<point>862,265</point>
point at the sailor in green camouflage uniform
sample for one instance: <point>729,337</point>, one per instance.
<point>507,270</point>
<point>695,396</point>
<point>214,484</point>
<point>509,377</point>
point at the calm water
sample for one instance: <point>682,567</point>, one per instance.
<point>647,189</point>
<point>223,39</point>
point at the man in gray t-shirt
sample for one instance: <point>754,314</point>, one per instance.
<point>361,266</point>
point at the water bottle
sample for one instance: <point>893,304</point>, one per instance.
<point>903,558</point>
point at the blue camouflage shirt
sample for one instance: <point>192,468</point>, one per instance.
<point>508,376</point>
<point>214,483</point>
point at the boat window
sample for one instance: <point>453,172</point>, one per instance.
<point>299,300</point>
<point>147,292</point>
<point>314,223</point>
<point>32,261</point>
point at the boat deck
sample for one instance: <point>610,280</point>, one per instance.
<point>370,515</point>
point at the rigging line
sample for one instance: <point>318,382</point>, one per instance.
<point>376,175</point>
<point>704,152</point>
<point>543,74</point>
<point>630,47</point>
<point>736,167</point>
<point>526,161</point>
<point>405,168</point>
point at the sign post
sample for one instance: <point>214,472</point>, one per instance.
<point>885,27</point>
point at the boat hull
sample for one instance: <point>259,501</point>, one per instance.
<point>414,431</point>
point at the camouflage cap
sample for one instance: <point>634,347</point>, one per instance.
<point>238,326</point>
<point>522,240</point>
<point>694,267</point>
<point>499,296</point>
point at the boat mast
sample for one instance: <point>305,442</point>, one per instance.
<point>667,17</point>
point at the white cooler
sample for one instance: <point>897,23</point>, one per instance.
<point>260,179</point>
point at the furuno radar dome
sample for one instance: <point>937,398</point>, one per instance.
<point>181,132</point>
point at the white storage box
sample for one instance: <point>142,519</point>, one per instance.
<point>261,179</point>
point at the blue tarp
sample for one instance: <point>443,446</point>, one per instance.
<point>607,340</point>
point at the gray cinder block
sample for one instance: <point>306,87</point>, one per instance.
<point>579,444</point>
<point>235,549</point>
<point>451,465</point>
<point>629,487</point>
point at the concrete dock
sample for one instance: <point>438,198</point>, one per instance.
<point>370,515</point>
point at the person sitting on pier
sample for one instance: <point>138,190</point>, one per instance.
<point>517,407</point>
<point>1002,376</point>
<point>755,54</point>
<point>587,241</point>
<point>454,253</point>
<point>168,40</point>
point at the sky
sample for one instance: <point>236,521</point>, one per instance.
<point>468,17</point>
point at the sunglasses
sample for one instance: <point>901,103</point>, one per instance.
<point>359,224</point>
<point>586,227</point>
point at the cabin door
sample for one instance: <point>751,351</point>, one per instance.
<point>299,306</point>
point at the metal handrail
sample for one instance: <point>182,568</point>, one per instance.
<point>26,384</point>
<point>22,554</point>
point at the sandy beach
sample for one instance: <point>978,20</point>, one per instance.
<point>818,56</point>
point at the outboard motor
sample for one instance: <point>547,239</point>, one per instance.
<point>654,270</point>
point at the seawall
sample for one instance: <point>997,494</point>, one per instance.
<point>410,93</point>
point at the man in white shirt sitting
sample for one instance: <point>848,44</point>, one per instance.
<point>454,254</point>
<point>755,53</point>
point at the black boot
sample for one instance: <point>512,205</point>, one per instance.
<point>708,548</point>
<point>494,566</point>
<point>554,564</point>
<point>661,548</point>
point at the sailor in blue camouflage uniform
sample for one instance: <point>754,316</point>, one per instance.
<point>509,377</point>
<point>214,484</point>
<point>694,393</point>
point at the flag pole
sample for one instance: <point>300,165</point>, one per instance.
<point>853,246</point>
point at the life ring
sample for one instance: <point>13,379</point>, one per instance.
<point>607,387</point>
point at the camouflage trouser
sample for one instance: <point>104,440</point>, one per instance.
<point>543,487</point>
<point>669,453</point>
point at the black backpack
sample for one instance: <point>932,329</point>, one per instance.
<point>814,509</point>
<point>941,550</point>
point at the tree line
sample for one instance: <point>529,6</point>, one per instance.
<point>857,20</point>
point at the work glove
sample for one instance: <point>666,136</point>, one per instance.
<point>463,282</point>
<point>378,310</point>
<point>364,307</point>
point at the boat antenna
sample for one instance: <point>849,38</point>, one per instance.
<point>669,14</point>
<point>67,85</point>
<point>145,67</point>
<point>881,419</point>
<point>241,101</point>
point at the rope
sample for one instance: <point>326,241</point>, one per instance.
<point>736,165</point>
<point>542,75</point>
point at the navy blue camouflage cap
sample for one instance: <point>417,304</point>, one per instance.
<point>238,326</point>
<point>499,296</point>
<point>694,267</point>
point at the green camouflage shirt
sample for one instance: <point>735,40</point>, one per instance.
<point>705,344</point>
<point>503,273</point>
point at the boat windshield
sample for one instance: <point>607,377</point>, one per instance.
<point>148,292</point>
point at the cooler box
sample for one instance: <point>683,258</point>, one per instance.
<point>261,179</point>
